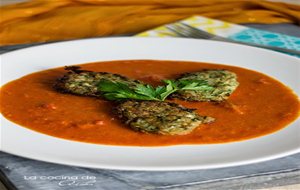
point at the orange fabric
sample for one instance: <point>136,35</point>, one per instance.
<point>50,20</point>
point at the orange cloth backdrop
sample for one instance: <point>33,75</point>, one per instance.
<point>51,20</point>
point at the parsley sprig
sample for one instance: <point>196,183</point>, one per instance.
<point>117,90</point>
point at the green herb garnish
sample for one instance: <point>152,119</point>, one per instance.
<point>117,90</point>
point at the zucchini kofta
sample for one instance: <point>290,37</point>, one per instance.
<point>164,118</point>
<point>82,82</point>
<point>224,83</point>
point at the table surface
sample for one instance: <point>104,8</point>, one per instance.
<point>21,173</point>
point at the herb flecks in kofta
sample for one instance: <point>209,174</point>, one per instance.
<point>158,117</point>
<point>82,82</point>
<point>223,83</point>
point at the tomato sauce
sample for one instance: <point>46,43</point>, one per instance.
<point>260,105</point>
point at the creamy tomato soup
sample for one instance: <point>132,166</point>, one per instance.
<point>259,106</point>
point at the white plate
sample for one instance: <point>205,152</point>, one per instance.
<point>27,143</point>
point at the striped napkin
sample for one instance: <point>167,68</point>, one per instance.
<point>231,31</point>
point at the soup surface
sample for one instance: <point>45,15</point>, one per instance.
<point>259,106</point>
